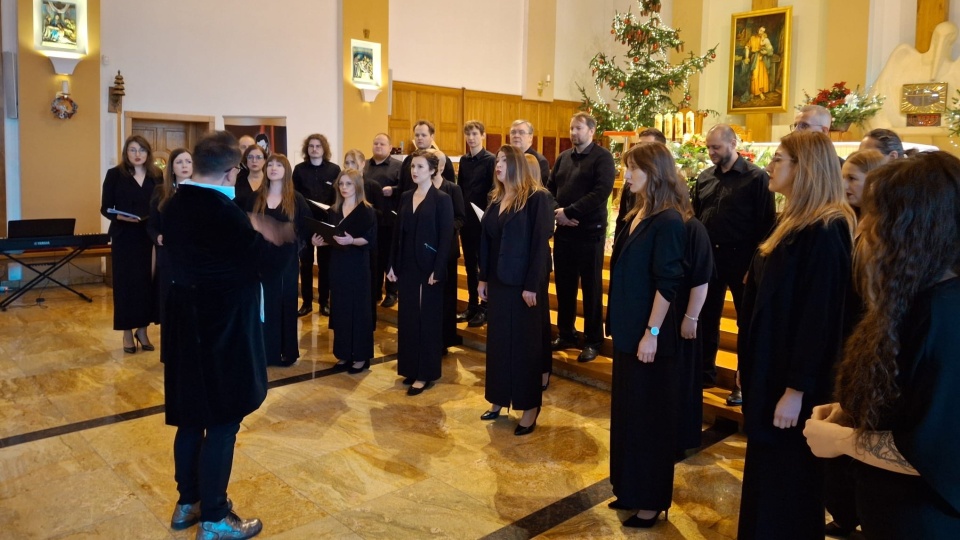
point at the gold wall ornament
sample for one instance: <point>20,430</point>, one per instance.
<point>927,98</point>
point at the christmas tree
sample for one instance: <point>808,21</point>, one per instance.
<point>644,83</point>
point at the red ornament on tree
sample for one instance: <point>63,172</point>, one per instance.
<point>646,92</point>
<point>621,84</point>
<point>713,56</point>
<point>670,82</point>
<point>636,58</point>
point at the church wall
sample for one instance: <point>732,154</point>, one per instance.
<point>226,57</point>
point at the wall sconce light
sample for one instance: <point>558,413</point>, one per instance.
<point>543,84</point>
<point>115,95</point>
<point>63,107</point>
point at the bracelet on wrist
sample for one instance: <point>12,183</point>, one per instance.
<point>694,319</point>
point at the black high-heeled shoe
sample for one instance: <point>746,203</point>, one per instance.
<point>366,365</point>
<point>640,523</point>
<point>341,366</point>
<point>546,384</point>
<point>145,346</point>
<point>617,505</point>
<point>526,430</point>
<point>414,391</point>
<point>130,350</point>
<point>493,415</point>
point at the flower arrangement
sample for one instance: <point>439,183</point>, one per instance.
<point>846,106</point>
<point>952,119</point>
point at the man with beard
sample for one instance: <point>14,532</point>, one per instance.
<point>732,201</point>
<point>385,172</point>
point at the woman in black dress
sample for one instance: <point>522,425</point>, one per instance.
<point>250,177</point>
<point>898,415</point>
<point>373,197</point>
<point>646,269</point>
<point>276,198</point>
<point>546,353</point>
<point>179,168</point>
<point>351,309</point>
<point>514,250</point>
<point>449,324</point>
<point>790,338</point>
<point>128,188</point>
<point>418,262</point>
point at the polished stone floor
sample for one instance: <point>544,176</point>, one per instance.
<point>84,452</point>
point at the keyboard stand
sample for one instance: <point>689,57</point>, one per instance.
<point>44,274</point>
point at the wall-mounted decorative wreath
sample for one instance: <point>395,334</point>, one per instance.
<point>63,107</point>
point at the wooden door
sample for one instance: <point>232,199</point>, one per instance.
<point>167,132</point>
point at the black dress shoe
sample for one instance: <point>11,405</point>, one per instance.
<point>466,315</point>
<point>325,311</point>
<point>526,430</point>
<point>354,370</point>
<point>479,319</point>
<point>341,366</point>
<point>588,353</point>
<point>640,523</point>
<point>561,343</point>
<point>735,398</point>
<point>546,385</point>
<point>617,505</point>
<point>305,309</point>
<point>490,415</point>
<point>389,301</point>
<point>414,391</point>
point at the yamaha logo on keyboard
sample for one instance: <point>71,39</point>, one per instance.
<point>42,243</point>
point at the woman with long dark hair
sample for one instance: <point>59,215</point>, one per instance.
<point>276,198</point>
<point>646,269</point>
<point>514,250</point>
<point>897,413</point>
<point>128,188</point>
<point>790,338</point>
<point>418,263</point>
<point>351,307</point>
<point>179,168</point>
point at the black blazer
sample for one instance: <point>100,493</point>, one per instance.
<point>459,216</point>
<point>432,237</point>
<point>792,325</point>
<point>645,262</point>
<point>524,257</point>
<point>122,192</point>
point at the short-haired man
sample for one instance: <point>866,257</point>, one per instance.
<point>732,201</point>
<point>314,178</point>
<point>521,138</point>
<point>812,118</point>
<point>627,199</point>
<point>581,182</point>
<point>475,179</point>
<point>385,172</point>
<point>884,141</point>
<point>423,132</point>
<point>215,370</point>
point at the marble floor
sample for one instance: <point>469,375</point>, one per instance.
<point>85,454</point>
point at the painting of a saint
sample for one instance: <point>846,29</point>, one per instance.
<point>759,68</point>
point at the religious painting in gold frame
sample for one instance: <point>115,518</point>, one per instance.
<point>928,98</point>
<point>759,72</point>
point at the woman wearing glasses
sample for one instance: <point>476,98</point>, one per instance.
<point>250,179</point>
<point>127,188</point>
<point>277,199</point>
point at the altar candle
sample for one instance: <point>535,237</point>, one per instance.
<point>658,122</point>
<point>678,126</point>
<point>668,126</point>
<point>691,122</point>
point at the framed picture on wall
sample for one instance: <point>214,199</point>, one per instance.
<point>60,26</point>
<point>365,59</point>
<point>760,61</point>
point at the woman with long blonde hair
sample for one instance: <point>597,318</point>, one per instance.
<point>790,338</point>
<point>351,304</point>
<point>514,255</point>
<point>277,199</point>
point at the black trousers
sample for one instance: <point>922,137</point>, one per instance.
<point>840,491</point>
<point>470,245</point>
<point>203,460</point>
<point>579,263</point>
<point>449,326</point>
<point>323,275</point>
<point>384,243</point>
<point>731,264</point>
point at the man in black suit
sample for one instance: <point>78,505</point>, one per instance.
<point>384,171</point>
<point>581,182</point>
<point>475,179</point>
<point>521,138</point>
<point>214,364</point>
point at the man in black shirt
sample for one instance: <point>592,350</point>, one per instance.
<point>314,178</point>
<point>521,138</point>
<point>732,201</point>
<point>385,172</point>
<point>475,179</point>
<point>423,132</point>
<point>581,182</point>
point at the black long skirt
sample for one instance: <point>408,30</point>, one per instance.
<point>419,314</point>
<point>689,387</point>
<point>280,338</point>
<point>134,293</point>
<point>643,427</point>
<point>514,348</point>
<point>351,306</point>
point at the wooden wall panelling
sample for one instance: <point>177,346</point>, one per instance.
<point>400,124</point>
